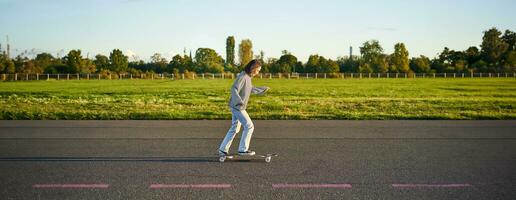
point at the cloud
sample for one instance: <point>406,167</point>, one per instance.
<point>170,54</point>
<point>129,53</point>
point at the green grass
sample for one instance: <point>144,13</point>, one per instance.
<point>480,98</point>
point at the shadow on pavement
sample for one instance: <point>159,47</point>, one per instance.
<point>110,159</point>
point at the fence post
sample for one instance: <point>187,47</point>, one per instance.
<point>453,75</point>
<point>213,76</point>
<point>498,75</point>
<point>360,75</point>
<point>37,77</point>
<point>306,75</point>
<point>48,77</point>
<point>57,76</point>
<point>27,76</point>
<point>77,76</point>
<point>352,75</point>
<point>387,75</point>
<point>183,76</point>
<point>15,76</point>
<point>489,75</point>
<point>369,75</point>
<point>315,75</point>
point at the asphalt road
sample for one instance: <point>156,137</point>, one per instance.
<point>317,160</point>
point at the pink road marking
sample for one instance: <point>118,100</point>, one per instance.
<point>311,185</point>
<point>70,186</point>
<point>208,186</point>
<point>431,185</point>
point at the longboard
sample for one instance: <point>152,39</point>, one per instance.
<point>266,157</point>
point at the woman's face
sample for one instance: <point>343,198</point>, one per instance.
<point>256,71</point>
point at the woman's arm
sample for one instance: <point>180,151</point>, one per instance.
<point>260,90</point>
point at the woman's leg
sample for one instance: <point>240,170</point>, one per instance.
<point>246,121</point>
<point>233,130</point>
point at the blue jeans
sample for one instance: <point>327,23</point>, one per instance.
<point>239,118</point>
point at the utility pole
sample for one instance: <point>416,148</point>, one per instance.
<point>8,47</point>
<point>351,52</point>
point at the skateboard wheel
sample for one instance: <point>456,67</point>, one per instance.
<point>268,159</point>
<point>221,159</point>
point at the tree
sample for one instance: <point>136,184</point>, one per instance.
<point>312,65</point>
<point>510,62</point>
<point>492,47</point>
<point>420,64</point>
<point>74,61</point>
<point>118,61</point>
<point>207,60</point>
<point>372,57</point>
<point>285,64</point>
<point>328,66</point>
<point>30,68</point>
<point>509,37</point>
<point>450,61</point>
<point>319,64</point>
<point>230,52</point>
<point>9,66</point>
<point>43,60</point>
<point>245,52</point>
<point>348,64</point>
<point>102,62</point>
<point>472,55</point>
<point>158,63</point>
<point>400,59</point>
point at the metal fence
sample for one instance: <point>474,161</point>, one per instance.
<point>192,76</point>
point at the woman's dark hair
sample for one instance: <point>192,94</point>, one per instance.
<point>252,65</point>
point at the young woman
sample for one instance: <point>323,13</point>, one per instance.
<point>240,92</point>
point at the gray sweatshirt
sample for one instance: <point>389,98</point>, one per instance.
<point>241,90</point>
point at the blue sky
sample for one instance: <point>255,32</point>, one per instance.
<point>303,27</point>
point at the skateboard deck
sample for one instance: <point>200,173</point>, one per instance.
<point>266,157</point>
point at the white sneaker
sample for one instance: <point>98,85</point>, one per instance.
<point>247,153</point>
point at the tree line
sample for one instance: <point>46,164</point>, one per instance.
<point>497,53</point>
